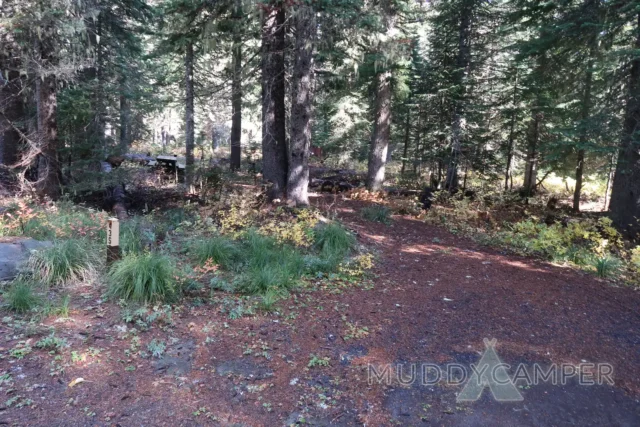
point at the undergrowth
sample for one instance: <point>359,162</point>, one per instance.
<point>377,213</point>
<point>21,296</point>
<point>65,261</point>
<point>144,278</point>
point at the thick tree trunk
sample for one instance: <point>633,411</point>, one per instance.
<point>625,192</point>
<point>12,112</point>
<point>189,114</point>
<point>381,131</point>
<point>274,145</point>
<point>382,110</point>
<point>236,90</point>
<point>48,164</point>
<point>304,24</point>
<point>463,62</point>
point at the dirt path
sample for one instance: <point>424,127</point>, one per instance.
<point>434,300</point>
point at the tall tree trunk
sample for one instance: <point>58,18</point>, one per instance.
<point>584,119</point>
<point>189,114</point>
<point>514,118</point>
<point>236,89</point>
<point>304,25</point>
<point>12,112</point>
<point>625,192</point>
<point>274,144</point>
<point>124,115</point>
<point>46,101</point>
<point>531,161</point>
<point>405,151</point>
<point>463,62</point>
<point>382,110</point>
<point>100,105</point>
<point>381,132</point>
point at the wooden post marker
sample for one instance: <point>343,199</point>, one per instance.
<point>113,240</point>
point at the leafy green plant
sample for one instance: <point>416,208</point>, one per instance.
<point>218,249</point>
<point>315,361</point>
<point>376,213</point>
<point>52,343</point>
<point>607,266</point>
<point>156,347</point>
<point>20,296</point>
<point>333,240</point>
<point>66,261</point>
<point>146,277</point>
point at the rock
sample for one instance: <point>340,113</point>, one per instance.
<point>177,360</point>
<point>14,254</point>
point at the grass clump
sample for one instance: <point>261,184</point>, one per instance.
<point>607,266</point>
<point>147,277</point>
<point>333,240</point>
<point>377,213</point>
<point>221,251</point>
<point>268,265</point>
<point>65,261</point>
<point>21,297</point>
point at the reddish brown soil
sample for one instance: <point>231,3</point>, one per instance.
<point>435,297</point>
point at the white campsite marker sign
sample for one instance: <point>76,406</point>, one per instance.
<point>113,240</point>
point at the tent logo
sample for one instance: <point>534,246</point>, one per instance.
<point>492,373</point>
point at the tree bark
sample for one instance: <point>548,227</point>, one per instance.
<point>274,146</point>
<point>381,132</point>
<point>514,118</point>
<point>124,115</point>
<point>189,114</point>
<point>584,119</point>
<point>12,112</point>
<point>236,90</point>
<point>304,24</point>
<point>531,162</point>
<point>405,151</point>
<point>382,110</point>
<point>463,62</point>
<point>48,163</point>
<point>625,192</point>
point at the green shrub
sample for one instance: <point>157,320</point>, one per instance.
<point>377,213</point>
<point>36,229</point>
<point>606,266</point>
<point>65,261</point>
<point>52,343</point>
<point>21,297</point>
<point>333,240</point>
<point>221,251</point>
<point>147,277</point>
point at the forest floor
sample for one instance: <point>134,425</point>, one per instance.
<point>433,298</point>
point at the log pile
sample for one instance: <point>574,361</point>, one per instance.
<point>333,180</point>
